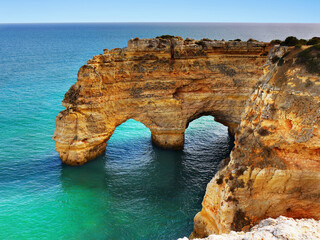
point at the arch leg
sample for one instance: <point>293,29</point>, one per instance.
<point>168,139</point>
<point>77,156</point>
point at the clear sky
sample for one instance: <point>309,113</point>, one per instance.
<point>46,11</point>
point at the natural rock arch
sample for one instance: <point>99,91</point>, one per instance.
<point>274,165</point>
<point>162,83</point>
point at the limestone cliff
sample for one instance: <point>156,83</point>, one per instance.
<point>164,84</point>
<point>274,166</point>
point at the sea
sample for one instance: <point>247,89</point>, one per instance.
<point>135,190</point>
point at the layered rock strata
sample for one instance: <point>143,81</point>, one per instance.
<point>274,166</point>
<point>162,83</point>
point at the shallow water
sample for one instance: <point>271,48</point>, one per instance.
<point>135,190</point>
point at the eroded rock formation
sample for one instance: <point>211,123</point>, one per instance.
<point>162,83</point>
<point>166,83</point>
<point>274,166</point>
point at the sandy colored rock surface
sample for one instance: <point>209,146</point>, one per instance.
<point>274,166</point>
<point>162,83</point>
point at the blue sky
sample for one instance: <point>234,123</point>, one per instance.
<point>44,11</point>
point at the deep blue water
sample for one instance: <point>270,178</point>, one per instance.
<point>134,191</point>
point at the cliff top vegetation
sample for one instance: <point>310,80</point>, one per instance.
<point>310,58</point>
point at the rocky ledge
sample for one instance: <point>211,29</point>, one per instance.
<point>274,229</point>
<point>274,166</point>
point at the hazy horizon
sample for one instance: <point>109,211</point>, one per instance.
<point>156,22</point>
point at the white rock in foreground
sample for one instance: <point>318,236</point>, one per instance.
<point>271,229</point>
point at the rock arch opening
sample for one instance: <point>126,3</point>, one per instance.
<point>210,136</point>
<point>130,133</point>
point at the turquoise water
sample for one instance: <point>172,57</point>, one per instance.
<point>135,190</point>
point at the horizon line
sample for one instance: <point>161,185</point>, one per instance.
<point>154,22</point>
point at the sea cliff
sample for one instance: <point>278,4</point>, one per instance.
<point>267,97</point>
<point>274,166</point>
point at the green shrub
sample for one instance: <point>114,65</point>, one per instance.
<point>252,40</point>
<point>188,40</point>
<point>317,47</point>
<point>293,41</point>
<point>303,42</point>
<point>237,40</point>
<point>313,41</point>
<point>310,58</point>
<point>200,43</point>
<point>168,37</point>
<point>290,41</point>
<point>275,42</point>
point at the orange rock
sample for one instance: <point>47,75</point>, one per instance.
<point>276,159</point>
<point>162,83</point>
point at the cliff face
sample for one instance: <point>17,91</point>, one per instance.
<point>274,166</point>
<point>162,83</point>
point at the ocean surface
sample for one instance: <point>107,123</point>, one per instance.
<point>135,190</point>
